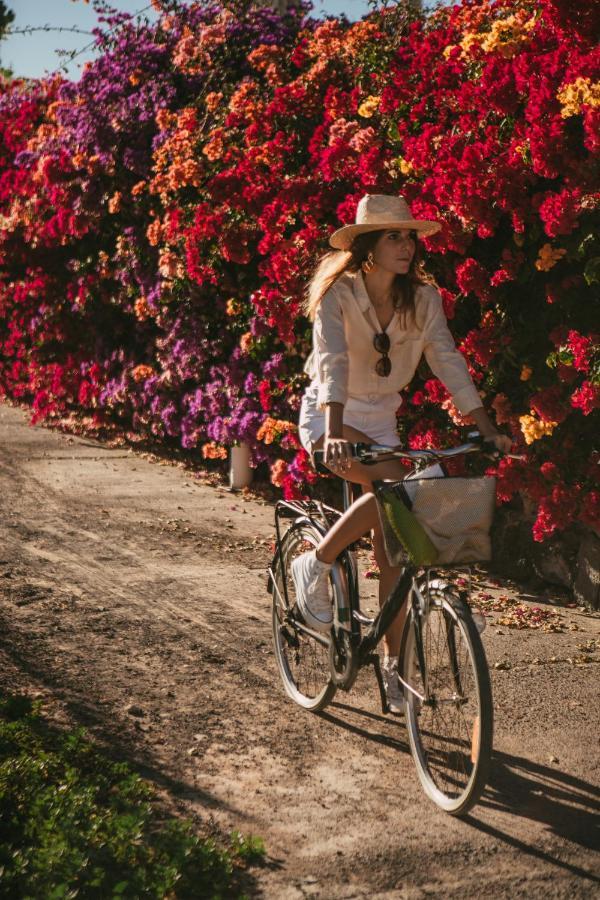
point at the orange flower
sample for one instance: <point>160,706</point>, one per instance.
<point>278,470</point>
<point>165,119</point>
<point>142,310</point>
<point>526,373</point>
<point>246,342</point>
<point>273,430</point>
<point>213,450</point>
<point>114,204</point>
<point>141,372</point>
<point>215,146</point>
<point>169,265</point>
<point>154,232</point>
<point>212,100</point>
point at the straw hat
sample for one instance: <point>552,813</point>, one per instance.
<point>377,212</point>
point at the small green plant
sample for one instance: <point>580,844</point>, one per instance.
<point>251,849</point>
<point>75,824</point>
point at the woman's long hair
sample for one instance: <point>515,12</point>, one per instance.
<point>335,263</point>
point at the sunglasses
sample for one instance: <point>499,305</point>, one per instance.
<point>381,342</point>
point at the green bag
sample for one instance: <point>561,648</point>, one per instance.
<point>400,525</point>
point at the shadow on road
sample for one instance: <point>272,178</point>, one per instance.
<point>386,740</point>
<point>518,788</point>
<point>525,789</point>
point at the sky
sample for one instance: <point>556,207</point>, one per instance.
<point>33,55</point>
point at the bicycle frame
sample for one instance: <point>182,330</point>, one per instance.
<point>345,635</point>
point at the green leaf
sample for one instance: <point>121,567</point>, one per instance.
<point>591,273</point>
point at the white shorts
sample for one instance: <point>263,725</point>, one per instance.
<point>377,422</point>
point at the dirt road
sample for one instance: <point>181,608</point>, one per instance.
<point>132,599</point>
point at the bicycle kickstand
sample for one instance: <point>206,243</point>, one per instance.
<point>375,661</point>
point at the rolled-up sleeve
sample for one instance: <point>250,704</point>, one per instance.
<point>445,361</point>
<point>331,351</point>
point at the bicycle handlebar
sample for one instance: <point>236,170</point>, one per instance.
<point>371,454</point>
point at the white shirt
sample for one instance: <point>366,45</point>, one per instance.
<point>342,363</point>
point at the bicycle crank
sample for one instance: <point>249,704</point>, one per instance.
<point>343,660</point>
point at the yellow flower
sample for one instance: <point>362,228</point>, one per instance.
<point>533,429</point>
<point>548,257</point>
<point>581,92</point>
<point>369,107</point>
<point>469,41</point>
<point>405,166</point>
<point>526,373</point>
<point>234,307</point>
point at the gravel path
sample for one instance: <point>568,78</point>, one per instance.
<point>133,601</point>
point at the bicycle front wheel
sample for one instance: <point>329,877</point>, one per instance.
<point>303,660</point>
<point>451,729</point>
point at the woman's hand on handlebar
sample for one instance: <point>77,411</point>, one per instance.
<point>337,454</point>
<point>501,442</point>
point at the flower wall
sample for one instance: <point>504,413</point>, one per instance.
<point>159,220</point>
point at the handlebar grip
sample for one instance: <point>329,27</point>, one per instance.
<point>319,456</point>
<point>475,438</point>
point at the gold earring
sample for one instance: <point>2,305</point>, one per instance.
<point>368,264</point>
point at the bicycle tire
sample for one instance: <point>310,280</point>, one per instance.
<point>451,736</point>
<point>303,662</point>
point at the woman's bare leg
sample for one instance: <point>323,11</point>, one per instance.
<point>357,521</point>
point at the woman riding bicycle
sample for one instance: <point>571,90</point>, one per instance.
<point>375,313</point>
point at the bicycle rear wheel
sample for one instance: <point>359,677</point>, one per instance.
<point>303,660</point>
<point>450,733</point>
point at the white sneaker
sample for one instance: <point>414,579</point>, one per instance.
<point>393,689</point>
<point>311,580</point>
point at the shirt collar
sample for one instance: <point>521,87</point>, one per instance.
<point>360,292</point>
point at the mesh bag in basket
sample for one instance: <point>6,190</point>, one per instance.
<point>436,521</point>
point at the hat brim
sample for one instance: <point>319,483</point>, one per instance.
<point>343,237</point>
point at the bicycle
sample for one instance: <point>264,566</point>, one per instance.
<point>442,669</point>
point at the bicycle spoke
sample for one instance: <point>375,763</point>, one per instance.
<point>303,661</point>
<point>445,730</point>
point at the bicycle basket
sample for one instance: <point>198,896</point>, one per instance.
<point>438,521</point>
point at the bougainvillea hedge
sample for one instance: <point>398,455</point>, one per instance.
<point>160,217</point>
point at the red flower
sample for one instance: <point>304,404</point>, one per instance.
<point>559,211</point>
<point>581,348</point>
<point>264,393</point>
<point>555,512</point>
<point>586,398</point>
<point>471,277</point>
